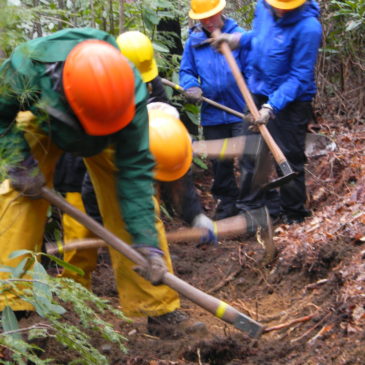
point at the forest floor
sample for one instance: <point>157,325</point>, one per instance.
<point>317,278</point>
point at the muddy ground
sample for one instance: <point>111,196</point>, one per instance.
<point>317,278</point>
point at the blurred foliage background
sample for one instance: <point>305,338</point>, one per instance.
<point>340,71</point>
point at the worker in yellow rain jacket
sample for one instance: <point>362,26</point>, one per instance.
<point>172,167</point>
<point>88,100</point>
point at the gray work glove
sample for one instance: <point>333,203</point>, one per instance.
<point>266,113</point>
<point>155,268</point>
<point>202,221</point>
<point>27,178</point>
<point>233,40</point>
<point>193,94</point>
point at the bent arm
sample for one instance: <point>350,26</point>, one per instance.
<point>188,74</point>
<point>134,177</point>
<point>302,69</point>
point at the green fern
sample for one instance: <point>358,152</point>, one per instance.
<point>50,297</point>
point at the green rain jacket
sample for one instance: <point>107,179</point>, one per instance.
<point>25,85</point>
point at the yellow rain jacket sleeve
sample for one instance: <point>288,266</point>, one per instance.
<point>26,85</point>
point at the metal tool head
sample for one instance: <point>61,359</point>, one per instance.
<point>248,325</point>
<point>265,238</point>
<point>279,182</point>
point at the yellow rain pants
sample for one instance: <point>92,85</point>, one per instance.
<point>22,222</point>
<point>74,231</point>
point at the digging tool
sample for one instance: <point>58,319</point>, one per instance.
<point>228,228</point>
<point>213,305</point>
<point>220,148</point>
<point>279,157</point>
<point>315,145</point>
<point>208,101</point>
<point>288,173</point>
<point>225,228</point>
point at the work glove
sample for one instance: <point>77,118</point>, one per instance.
<point>202,221</point>
<point>155,268</point>
<point>193,94</point>
<point>233,40</point>
<point>266,113</point>
<point>27,178</point>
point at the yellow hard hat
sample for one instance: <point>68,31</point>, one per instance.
<point>201,9</point>
<point>138,49</point>
<point>286,4</point>
<point>170,145</point>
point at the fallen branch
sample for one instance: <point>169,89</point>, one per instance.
<point>311,329</point>
<point>289,324</point>
<point>222,283</point>
<point>316,284</point>
<point>27,329</point>
<point>323,330</point>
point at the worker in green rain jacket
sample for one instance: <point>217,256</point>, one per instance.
<point>88,100</point>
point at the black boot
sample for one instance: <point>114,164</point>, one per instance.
<point>167,325</point>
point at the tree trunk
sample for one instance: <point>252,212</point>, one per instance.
<point>61,6</point>
<point>37,26</point>
<point>121,16</point>
<point>93,24</point>
<point>111,18</point>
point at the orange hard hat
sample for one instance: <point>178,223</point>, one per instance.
<point>170,145</point>
<point>99,86</point>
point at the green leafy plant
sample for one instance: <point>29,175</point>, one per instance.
<point>353,12</point>
<point>242,12</point>
<point>50,297</point>
<point>340,71</point>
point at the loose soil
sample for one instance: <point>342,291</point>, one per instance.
<point>317,277</point>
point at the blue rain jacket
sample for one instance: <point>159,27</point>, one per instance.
<point>284,53</point>
<point>205,67</point>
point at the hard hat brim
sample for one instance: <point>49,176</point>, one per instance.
<point>151,73</point>
<point>209,13</point>
<point>284,5</point>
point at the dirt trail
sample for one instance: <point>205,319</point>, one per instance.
<point>318,276</point>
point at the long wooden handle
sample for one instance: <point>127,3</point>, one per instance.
<point>221,148</point>
<point>274,148</point>
<point>213,305</point>
<point>209,101</point>
<point>226,228</point>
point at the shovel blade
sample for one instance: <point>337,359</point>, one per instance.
<point>278,182</point>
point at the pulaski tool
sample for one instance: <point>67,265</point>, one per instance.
<point>279,157</point>
<point>234,147</point>
<point>224,229</point>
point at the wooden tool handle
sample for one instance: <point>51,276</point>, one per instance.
<point>208,101</point>
<point>225,228</point>
<point>220,148</point>
<point>274,148</point>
